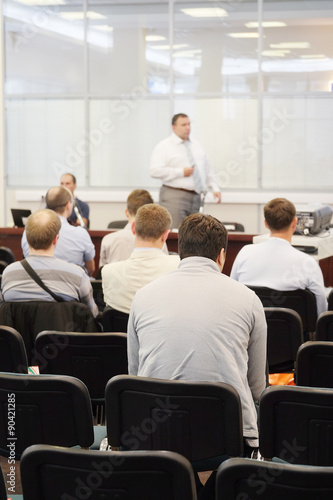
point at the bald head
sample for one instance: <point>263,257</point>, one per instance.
<point>57,198</point>
<point>41,229</point>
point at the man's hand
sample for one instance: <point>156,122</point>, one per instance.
<point>217,196</point>
<point>188,171</point>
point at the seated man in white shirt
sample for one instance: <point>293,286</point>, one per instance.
<point>120,244</point>
<point>275,263</point>
<point>121,280</point>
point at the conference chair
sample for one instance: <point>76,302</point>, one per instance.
<point>284,336</point>
<point>6,257</point>
<point>200,420</point>
<point>3,491</point>
<point>242,478</point>
<point>324,328</point>
<point>301,301</point>
<point>45,409</point>
<point>314,365</point>
<point>117,224</point>
<point>114,321</point>
<point>233,227</point>
<point>30,318</point>
<point>52,473</point>
<point>295,425</point>
<point>330,301</point>
<point>93,358</point>
<point>98,294</point>
<point>13,356</point>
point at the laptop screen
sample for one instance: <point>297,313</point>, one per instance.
<point>20,216</point>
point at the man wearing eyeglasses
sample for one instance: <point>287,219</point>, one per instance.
<point>74,243</point>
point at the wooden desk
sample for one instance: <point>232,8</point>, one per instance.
<point>11,237</point>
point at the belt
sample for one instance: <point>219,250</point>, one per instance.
<point>181,189</point>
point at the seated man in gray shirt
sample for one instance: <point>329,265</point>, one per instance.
<point>196,323</point>
<point>64,279</point>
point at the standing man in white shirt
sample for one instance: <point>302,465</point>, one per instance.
<point>181,163</point>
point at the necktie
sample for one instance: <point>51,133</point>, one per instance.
<point>198,182</point>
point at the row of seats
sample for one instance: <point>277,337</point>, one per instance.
<point>199,420</point>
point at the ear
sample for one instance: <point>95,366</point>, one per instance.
<point>294,223</point>
<point>133,227</point>
<point>127,213</point>
<point>266,225</point>
<point>165,235</point>
<point>55,240</point>
<point>221,259</point>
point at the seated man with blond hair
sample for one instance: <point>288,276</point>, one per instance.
<point>121,280</point>
<point>66,280</point>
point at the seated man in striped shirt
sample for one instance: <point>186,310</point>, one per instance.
<point>66,280</point>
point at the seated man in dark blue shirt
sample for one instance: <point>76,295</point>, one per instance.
<point>80,213</point>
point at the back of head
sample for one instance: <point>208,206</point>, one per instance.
<point>151,221</point>
<point>41,229</point>
<point>137,199</point>
<point>279,213</point>
<point>57,198</point>
<point>201,235</point>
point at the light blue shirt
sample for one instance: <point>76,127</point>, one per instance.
<point>74,244</point>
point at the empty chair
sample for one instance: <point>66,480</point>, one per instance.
<point>324,328</point>
<point>6,257</point>
<point>200,420</point>
<point>114,321</point>
<point>314,365</point>
<point>295,425</point>
<point>117,224</point>
<point>242,478</point>
<point>234,226</point>
<point>13,356</point>
<point>284,336</point>
<point>3,491</point>
<point>52,473</point>
<point>93,358</point>
<point>47,409</point>
<point>301,301</point>
<point>98,294</point>
<point>30,318</point>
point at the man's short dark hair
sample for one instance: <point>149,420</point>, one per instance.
<point>151,221</point>
<point>201,235</point>
<point>57,198</point>
<point>137,199</point>
<point>72,176</point>
<point>279,214</point>
<point>41,229</point>
<point>175,118</point>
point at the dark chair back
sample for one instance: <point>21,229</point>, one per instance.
<point>54,473</point>
<point>114,321</point>
<point>324,328</point>
<point>233,227</point>
<point>301,301</point>
<point>239,478</point>
<point>314,365</point>
<point>199,420</point>
<point>13,356</point>
<point>117,224</point>
<point>295,424</point>
<point>98,294</point>
<point>30,318</point>
<point>7,255</point>
<point>330,301</point>
<point>284,336</point>
<point>48,410</point>
<point>3,490</point>
<point>93,358</point>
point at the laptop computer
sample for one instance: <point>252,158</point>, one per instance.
<point>20,216</point>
